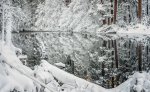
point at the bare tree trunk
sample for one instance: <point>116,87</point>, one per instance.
<point>72,66</point>
<point>112,42</point>
<point>147,52</point>
<point>115,10</point>
<point>139,10</point>
<point>147,7</point>
<point>104,21</point>
<point>111,10</point>
<point>109,21</point>
<point>112,82</point>
<point>104,43</point>
<point>103,71</point>
<point>109,44</point>
<point>116,55</point>
<point>140,57</point>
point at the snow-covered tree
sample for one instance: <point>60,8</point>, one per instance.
<point>48,15</point>
<point>11,15</point>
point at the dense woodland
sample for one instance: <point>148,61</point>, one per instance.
<point>80,37</point>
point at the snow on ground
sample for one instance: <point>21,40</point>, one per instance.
<point>10,78</point>
<point>139,82</point>
<point>130,29</point>
<point>137,31</point>
<point>75,84</point>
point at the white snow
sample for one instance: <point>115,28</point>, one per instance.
<point>70,79</point>
<point>138,82</point>
<point>60,64</point>
<point>22,56</point>
<point>138,29</point>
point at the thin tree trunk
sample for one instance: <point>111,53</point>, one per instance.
<point>147,52</point>
<point>103,71</point>
<point>109,21</point>
<point>72,66</point>
<point>147,7</point>
<point>109,44</point>
<point>140,57</point>
<point>112,42</point>
<point>116,55</point>
<point>139,10</point>
<point>112,82</point>
<point>104,21</point>
<point>129,16</point>
<point>111,10</point>
<point>115,10</point>
<point>104,43</point>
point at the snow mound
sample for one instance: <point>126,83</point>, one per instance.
<point>11,79</point>
<point>139,82</point>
